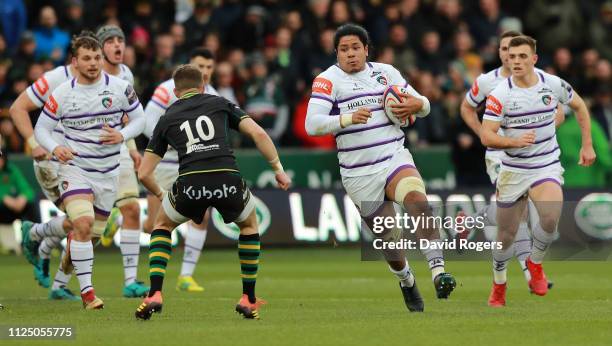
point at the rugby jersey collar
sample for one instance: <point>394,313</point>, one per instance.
<point>103,79</point>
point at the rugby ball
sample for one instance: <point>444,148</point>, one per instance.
<point>391,96</point>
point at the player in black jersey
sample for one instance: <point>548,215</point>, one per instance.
<point>197,127</point>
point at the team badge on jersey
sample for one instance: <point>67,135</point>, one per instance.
<point>64,185</point>
<point>382,80</point>
<point>546,99</point>
<point>107,102</point>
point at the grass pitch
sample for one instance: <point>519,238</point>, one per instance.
<point>321,296</point>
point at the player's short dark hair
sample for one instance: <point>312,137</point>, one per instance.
<point>351,30</point>
<point>203,52</point>
<point>187,77</point>
<point>509,33</point>
<point>521,40</point>
<point>85,39</point>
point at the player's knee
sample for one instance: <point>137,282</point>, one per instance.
<point>130,209</point>
<point>548,222</point>
<point>409,190</point>
<point>84,226</point>
<point>67,225</point>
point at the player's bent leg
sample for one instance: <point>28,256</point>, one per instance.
<point>41,271</point>
<point>160,249</point>
<point>80,210</point>
<point>396,259</point>
<point>406,188</point>
<point>249,249</point>
<point>194,242</point>
<point>547,197</point>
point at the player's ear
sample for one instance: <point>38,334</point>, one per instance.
<point>535,59</point>
<point>73,61</point>
<point>366,50</point>
<point>176,93</point>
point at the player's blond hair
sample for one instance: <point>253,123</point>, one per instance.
<point>187,77</point>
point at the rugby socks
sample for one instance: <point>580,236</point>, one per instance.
<point>160,250</point>
<point>522,247</point>
<point>541,242</point>
<point>51,228</point>
<point>130,250</point>
<point>44,252</point>
<point>435,258</point>
<point>405,275</point>
<point>61,279</point>
<point>82,256</point>
<point>500,262</point>
<point>46,245</point>
<point>248,252</point>
<point>194,242</point>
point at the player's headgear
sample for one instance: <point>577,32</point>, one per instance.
<point>109,31</point>
<point>351,29</point>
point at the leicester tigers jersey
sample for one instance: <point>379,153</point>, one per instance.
<point>363,149</point>
<point>481,88</point>
<point>525,109</point>
<point>83,110</point>
<point>40,90</point>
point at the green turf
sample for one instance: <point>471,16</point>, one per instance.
<point>323,296</point>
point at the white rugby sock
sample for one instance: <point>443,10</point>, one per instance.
<point>61,279</point>
<point>541,242</point>
<point>82,258</point>
<point>405,275</point>
<point>130,250</point>
<point>522,247</point>
<point>194,242</point>
<point>48,244</point>
<point>500,261</point>
<point>435,258</point>
<point>51,228</point>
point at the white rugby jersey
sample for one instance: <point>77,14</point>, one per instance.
<point>363,149</point>
<point>83,110</point>
<point>40,90</point>
<point>525,109</point>
<point>162,98</point>
<point>481,88</point>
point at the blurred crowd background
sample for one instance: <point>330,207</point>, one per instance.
<point>269,51</point>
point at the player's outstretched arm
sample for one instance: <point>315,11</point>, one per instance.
<point>470,117</point>
<point>19,112</point>
<point>268,150</point>
<point>146,176</point>
<point>587,153</point>
<point>490,138</point>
